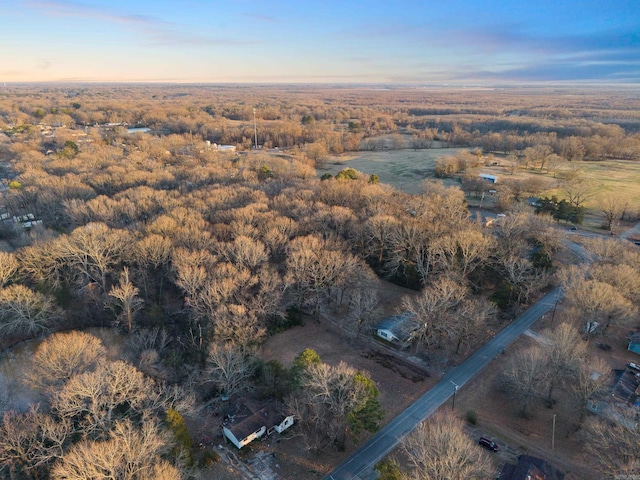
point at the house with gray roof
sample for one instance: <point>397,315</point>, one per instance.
<point>396,329</point>
<point>246,425</point>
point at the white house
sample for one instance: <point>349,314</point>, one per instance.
<point>224,148</point>
<point>246,426</point>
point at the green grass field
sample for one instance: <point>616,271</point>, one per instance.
<point>406,169</point>
<point>610,177</point>
<point>403,169</point>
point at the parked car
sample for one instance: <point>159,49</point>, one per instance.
<point>488,444</point>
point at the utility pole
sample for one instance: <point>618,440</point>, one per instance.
<point>553,315</point>
<point>255,128</point>
<point>455,389</point>
<point>553,432</point>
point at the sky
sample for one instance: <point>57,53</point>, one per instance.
<point>424,42</point>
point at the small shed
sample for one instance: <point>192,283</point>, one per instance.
<point>634,342</point>
<point>489,178</point>
<point>396,329</point>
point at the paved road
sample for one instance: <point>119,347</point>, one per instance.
<point>360,464</point>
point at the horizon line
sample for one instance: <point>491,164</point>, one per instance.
<point>542,83</point>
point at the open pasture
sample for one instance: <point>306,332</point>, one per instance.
<point>619,177</point>
<point>403,169</point>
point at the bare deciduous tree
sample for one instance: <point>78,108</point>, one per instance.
<point>614,444</point>
<point>597,305</point>
<point>229,369</point>
<point>591,379</point>
<point>525,377</point>
<point>377,235</point>
<point>61,356</point>
<point>93,250</point>
<point>153,254</point>
<point>246,252</point>
<point>470,316</point>
<point>236,325</point>
<point>129,453</point>
<point>565,350</point>
<point>578,190</point>
<point>439,449</point>
<point>23,311</point>
<point>30,442</point>
<point>96,400</point>
<point>315,268</point>
<point>431,311</point>
<point>523,277</point>
<point>42,262</point>
<point>334,403</point>
<point>611,207</point>
<point>8,267</point>
<point>126,299</point>
<point>364,306</point>
<point>625,278</point>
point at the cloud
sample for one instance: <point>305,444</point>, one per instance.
<point>599,56</point>
<point>560,72</point>
<point>514,38</point>
<point>156,30</point>
<point>43,64</point>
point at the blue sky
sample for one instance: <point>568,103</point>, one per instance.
<point>309,41</point>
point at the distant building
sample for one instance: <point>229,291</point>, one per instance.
<point>224,148</point>
<point>27,221</point>
<point>489,178</point>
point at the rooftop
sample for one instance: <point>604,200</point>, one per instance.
<point>248,419</point>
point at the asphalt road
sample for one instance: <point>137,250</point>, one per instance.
<point>360,464</point>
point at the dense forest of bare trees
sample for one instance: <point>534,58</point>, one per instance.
<point>201,254</point>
